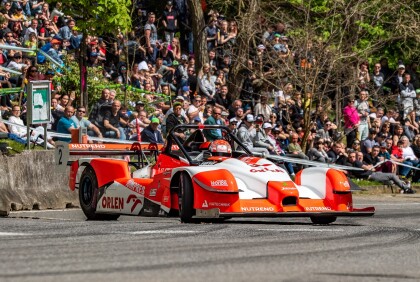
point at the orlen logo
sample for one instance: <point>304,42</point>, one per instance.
<point>220,182</point>
<point>135,200</point>
<point>134,186</point>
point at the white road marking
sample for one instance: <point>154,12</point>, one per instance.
<point>302,230</point>
<point>384,204</point>
<point>14,234</point>
<point>147,232</point>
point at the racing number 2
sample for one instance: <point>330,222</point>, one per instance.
<point>60,153</point>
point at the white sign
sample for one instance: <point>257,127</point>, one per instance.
<point>39,101</point>
<point>61,156</point>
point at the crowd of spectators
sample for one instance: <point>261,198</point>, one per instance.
<point>158,56</point>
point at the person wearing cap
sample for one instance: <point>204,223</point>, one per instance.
<point>246,134</point>
<point>214,119</point>
<point>261,139</point>
<point>170,21</point>
<point>233,125</point>
<point>54,51</point>
<point>408,94</point>
<point>175,118</point>
<point>398,77</point>
<point>151,134</point>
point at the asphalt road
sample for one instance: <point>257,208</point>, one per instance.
<point>63,246</point>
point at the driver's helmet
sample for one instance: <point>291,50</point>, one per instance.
<point>220,148</point>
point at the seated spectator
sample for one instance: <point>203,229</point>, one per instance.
<point>151,133</point>
<point>367,173</point>
<point>317,153</point>
<point>261,139</point>
<point>246,134</point>
<point>369,142</point>
<point>175,118</point>
<point>338,153</point>
<point>196,109</point>
<point>80,121</point>
<point>99,109</point>
<point>114,122</point>
<point>66,124</point>
<point>374,159</point>
<point>214,119</point>
<point>356,146</point>
<point>294,149</point>
<point>408,156</point>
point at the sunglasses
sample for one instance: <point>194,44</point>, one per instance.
<point>81,111</point>
<point>217,114</point>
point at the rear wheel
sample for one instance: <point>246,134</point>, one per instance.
<point>323,219</point>
<point>88,196</point>
<point>186,198</point>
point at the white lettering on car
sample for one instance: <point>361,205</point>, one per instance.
<point>257,209</point>
<point>317,209</point>
<point>135,187</point>
<point>220,182</point>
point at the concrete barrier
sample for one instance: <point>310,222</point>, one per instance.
<point>29,181</point>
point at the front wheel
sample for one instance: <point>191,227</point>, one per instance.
<point>88,196</point>
<point>186,198</point>
<point>323,219</point>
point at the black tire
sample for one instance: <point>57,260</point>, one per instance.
<point>186,198</point>
<point>323,219</point>
<point>88,196</point>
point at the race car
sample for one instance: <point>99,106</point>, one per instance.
<point>196,179</point>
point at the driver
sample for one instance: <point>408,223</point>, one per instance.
<point>220,148</point>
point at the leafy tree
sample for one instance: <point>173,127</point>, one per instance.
<point>96,18</point>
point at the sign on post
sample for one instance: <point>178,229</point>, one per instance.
<point>39,102</point>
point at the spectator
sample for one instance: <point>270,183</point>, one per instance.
<point>170,21</point>
<point>376,176</point>
<point>262,108</point>
<point>262,140</point>
<point>317,153</point>
<point>362,106</point>
<point>114,122</point>
<point>196,109</point>
<point>222,100</point>
<point>214,119</point>
<point>80,121</point>
<point>294,149</point>
<point>369,142</point>
<point>151,133</point>
<point>99,109</point>
<point>206,82</point>
<point>246,134</point>
<point>176,118</point>
<point>407,94</point>
<point>150,34</point>
<point>66,124</point>
<point>351,121</point>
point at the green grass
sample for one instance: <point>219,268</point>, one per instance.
<point>365,182</point>
<point>18,147</point>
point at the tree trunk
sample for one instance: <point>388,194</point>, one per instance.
<point>84,100</point>
<point>198,25</point>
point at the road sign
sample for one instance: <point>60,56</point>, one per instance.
<point>39,102</point>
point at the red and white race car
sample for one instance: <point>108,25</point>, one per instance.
<point>199,179</point>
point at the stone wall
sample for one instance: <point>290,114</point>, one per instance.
<point>29,181</point>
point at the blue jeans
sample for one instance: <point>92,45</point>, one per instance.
<point>405,170</point>
<point>113,134</point>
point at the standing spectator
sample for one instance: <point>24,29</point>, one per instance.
<point>214,119</point>
<point>211,34</point>
<point>378,79</point>
<point>170,21</point>
<point>351,121</point>
<point>151,133</point>
<point>151,36</point>
<point>263,108</point>
<point>407,94</point>
<point>362,106</point>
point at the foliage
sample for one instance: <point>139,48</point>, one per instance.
<point>100,16</point>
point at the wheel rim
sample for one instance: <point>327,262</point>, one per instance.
<point>87,191</point>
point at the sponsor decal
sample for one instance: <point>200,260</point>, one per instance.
<point>165,199</point>
<point>135,187</point>
<point>259,165</point>
<point>265,170</point>
<point>257,209</point>
<point>345,184</point>
<point>208,163</point>
<point>214,204</point>
<point>115,203</point>
<point>288,188</point>
<point>133,198</point>
<point>87,146</point>
<point>220,182</point>
<point>152,192</point>
<point>317,209</point>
